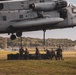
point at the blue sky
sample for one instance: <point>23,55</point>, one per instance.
<point>72,1</point>
<point>67,33</point>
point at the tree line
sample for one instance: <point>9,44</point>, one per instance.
<point>28,41</point>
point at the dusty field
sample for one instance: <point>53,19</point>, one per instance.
<point>38,67</point>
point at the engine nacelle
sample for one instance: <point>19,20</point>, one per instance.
<point>60,4</point>
<point>42,6</point>
<point>48,6</point>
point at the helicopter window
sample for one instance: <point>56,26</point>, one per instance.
<point>26,16</point>
<point>21,16</point>
<point>41,0</point>
<point>1,6</point>
<point>63,13</point>
<point>74,10</point>
<point>22,2</point>
<point>4,18</point>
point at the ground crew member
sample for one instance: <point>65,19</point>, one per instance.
<point>53,54</point>
<point>37,54</point>
<point>21,50</point>
<point>59,53</point>
<point>26,54</point>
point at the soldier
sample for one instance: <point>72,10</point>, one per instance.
<point>59,53</point>
<point>26,54</point>
<point>53,54</point>
<point>37,53</point>
<point>21,50</point>
<point>48,53</point>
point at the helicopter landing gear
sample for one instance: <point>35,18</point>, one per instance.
<point>44,37</point>
<point>19,34</point>
<point>13,37</point>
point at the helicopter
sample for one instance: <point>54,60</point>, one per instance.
<point>33,15</point>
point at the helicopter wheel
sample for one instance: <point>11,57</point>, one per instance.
<point>12,37</point>
<point>19,34</point>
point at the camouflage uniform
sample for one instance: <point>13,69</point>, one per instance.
<point>37,53</point>
<point>21,53</point>
<point>59,54</point>
<point>53,54</point>
<point>26,54</point>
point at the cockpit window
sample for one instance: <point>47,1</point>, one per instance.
<point>74,10</point>
<point>4,18</point>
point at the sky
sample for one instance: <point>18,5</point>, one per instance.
<point>67,33</point>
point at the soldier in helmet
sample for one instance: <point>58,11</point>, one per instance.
<point>21,50</point>
<point>37,53</point>
<point>26,54</point>
<point>59,53</point>
<point>48,53</point>
<point>53,54</point>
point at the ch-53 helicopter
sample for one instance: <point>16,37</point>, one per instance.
<point>32,15</point>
